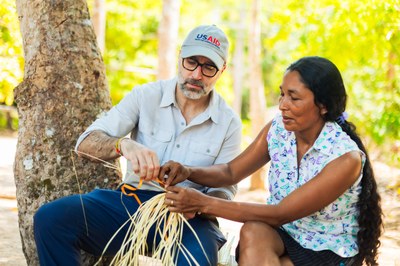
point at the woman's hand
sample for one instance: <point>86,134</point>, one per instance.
<point>184,200</point>
<point>175,171</point>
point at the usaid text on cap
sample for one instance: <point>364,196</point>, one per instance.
<point>206,38</point>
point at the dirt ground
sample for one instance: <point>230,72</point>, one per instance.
<point>10,243</point>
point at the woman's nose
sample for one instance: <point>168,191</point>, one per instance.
<point>281,103</point>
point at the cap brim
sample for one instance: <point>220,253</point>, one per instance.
<point>188,51</point>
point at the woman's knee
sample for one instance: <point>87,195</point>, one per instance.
<point>259,244</point>
<point>254,229</point>
<point>263,234</point>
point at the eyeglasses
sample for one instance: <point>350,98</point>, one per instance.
<point>207,70</point>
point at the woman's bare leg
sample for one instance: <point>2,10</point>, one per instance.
<point>261,245</point>
<point>285,261</point>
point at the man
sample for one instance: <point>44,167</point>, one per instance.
<point>181,119</point>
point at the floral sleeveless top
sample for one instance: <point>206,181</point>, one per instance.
<point>335,226</point>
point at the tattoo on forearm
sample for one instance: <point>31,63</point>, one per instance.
<point>100,145</point>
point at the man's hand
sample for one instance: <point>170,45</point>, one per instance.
<point>145,162</point>
<point>175,171</point>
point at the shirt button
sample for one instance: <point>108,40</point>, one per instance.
<point>182,123</point>
<point>177,145</point>
<point>208,150</point>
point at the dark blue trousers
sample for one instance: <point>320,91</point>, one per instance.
<point>65,226</point>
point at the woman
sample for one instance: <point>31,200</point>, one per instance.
<point>323,207</point>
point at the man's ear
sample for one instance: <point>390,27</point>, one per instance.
<point>223,68</point>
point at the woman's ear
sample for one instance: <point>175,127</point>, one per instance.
<point>322,110</point>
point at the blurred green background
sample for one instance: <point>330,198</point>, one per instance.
<point>361,37</point>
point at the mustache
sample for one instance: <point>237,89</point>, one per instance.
<point>194,82</point>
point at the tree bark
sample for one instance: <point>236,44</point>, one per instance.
<point>258,106</point>
<point>168,38</point>
<point>64,89</point>
<point>238,71</point>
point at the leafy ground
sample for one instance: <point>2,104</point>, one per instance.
<point>10,243</point>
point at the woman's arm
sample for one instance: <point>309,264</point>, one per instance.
<point>250,160</point>
<point>319,192</point>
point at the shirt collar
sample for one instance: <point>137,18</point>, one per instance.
<point>168,99</point>
<point>213,107</point>
<point>328,134</point>
<point>168,96</point>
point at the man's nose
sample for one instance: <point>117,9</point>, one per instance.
<point>197,74</point>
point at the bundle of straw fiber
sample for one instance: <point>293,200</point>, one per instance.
<point>167,241</point>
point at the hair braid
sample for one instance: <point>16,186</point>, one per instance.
<point>370,212</point>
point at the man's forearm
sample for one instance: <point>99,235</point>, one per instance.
<point>99,145</point>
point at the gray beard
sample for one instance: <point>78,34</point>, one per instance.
<point>193,95</point>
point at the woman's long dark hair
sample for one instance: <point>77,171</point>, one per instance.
<point>323,78</point>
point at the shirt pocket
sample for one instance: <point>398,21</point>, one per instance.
<point>154,138</point>
<point>202,153</point>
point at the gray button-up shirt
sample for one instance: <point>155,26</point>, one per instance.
<point>152,117</point>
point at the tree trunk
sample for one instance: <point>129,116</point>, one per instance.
<point>63,90</point>
<point>238,61</point>
<point>258,107</point>
<point>167,39</point>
